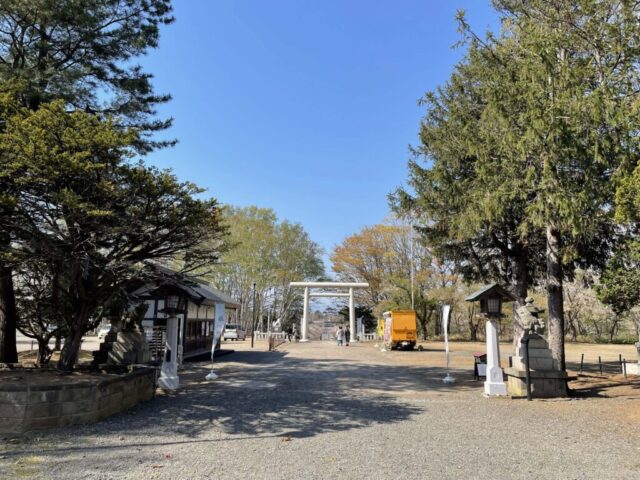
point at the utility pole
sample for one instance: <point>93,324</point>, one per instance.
<point>253,315</point>
<point>411,266</point>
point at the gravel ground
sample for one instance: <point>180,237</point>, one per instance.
<point>316,411</point>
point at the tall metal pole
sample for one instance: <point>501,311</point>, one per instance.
<point>411,259</point>
<point>253,315</point>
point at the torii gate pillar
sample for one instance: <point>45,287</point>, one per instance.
<point>352,317</point>
<point>305,315</point>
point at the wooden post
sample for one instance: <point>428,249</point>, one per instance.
<point>581,363</point>
<point>600,363</point>
<point>620,361</point>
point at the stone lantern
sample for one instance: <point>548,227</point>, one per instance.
<point>491,298</point>
<point>174,303</point>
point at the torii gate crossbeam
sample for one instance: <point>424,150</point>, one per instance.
<point>334,285</point>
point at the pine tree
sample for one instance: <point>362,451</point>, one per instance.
<point>83,52</point>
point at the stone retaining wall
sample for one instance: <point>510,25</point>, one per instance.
<point>25,407</point>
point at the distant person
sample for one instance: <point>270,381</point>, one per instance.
<point>289,333</point>
<point>339,336</point>
<point>347,336</point>
<point>294,332</point>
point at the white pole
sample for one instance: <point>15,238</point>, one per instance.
<point>305,313</point>
<point>352,316</point>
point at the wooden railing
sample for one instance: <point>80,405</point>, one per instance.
<point>265,335</point>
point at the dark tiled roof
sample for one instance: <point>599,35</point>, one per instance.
<point>491,290</point>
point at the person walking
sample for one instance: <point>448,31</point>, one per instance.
<point>347,336</point>
<point>294,333</point>
<point>339,336</point>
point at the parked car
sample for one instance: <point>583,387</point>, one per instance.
<point>233,331</point>
<point>103,331</point>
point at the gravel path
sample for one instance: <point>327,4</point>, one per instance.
<point>316,411</point>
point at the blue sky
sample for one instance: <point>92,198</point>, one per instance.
<point>306,107</point>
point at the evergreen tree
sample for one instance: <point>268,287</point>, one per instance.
<point>83,52</point>
<point>90,219</point>
<point>550,132</point>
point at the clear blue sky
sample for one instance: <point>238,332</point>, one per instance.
<point>307,107</point>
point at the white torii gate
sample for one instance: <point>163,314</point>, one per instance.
<point>324,285</point>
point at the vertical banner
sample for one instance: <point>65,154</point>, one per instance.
<point>387,329</point>
<point>220,319</point>
<point>446,310</point>
<point>218,326</point>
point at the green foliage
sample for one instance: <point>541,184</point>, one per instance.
<point>270,253</point>
<point>88,220</point>
<point>524,146</point>
<point>369,320</point>
<point>83,53</point>
<point>620,283</point>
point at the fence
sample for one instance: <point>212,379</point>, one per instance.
<point>600,366</point>
<point>266,335</point>
<point>369,337</point>
<point>275,341</point>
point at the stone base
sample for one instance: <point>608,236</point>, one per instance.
<point>633,368</point>
<point>169,383</point>
<point>544,384</point>
<point>129,348</point>
<point>493,389</point>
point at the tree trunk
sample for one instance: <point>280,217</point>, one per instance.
<point>73,340</point>
<point>8,318</point>
<point>520,288</point>
<point>555,301</point>
<point>473,332</point>
<point>44,352</point>
<point>58,344</point>
<point>573,328</point>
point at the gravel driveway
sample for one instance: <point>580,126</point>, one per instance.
<point>316,411</point>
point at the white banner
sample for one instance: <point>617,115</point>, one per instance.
<point>446,310</point>
<point>218,326</point>
<point>387,330</point>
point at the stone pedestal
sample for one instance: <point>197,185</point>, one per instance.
<point>123,348</point>
<point>129,347</point>
<point>633,368</point>
<point>546,379</point>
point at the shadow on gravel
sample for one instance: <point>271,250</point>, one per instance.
<point>273,396</point>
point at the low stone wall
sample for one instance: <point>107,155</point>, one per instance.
<point>26,405</point>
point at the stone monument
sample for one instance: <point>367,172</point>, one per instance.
<point>126,343</point>
<point>547,380</point>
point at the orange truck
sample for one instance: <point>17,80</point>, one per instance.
<point>401,330</point>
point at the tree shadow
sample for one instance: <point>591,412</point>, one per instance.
<point>267,394</point>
